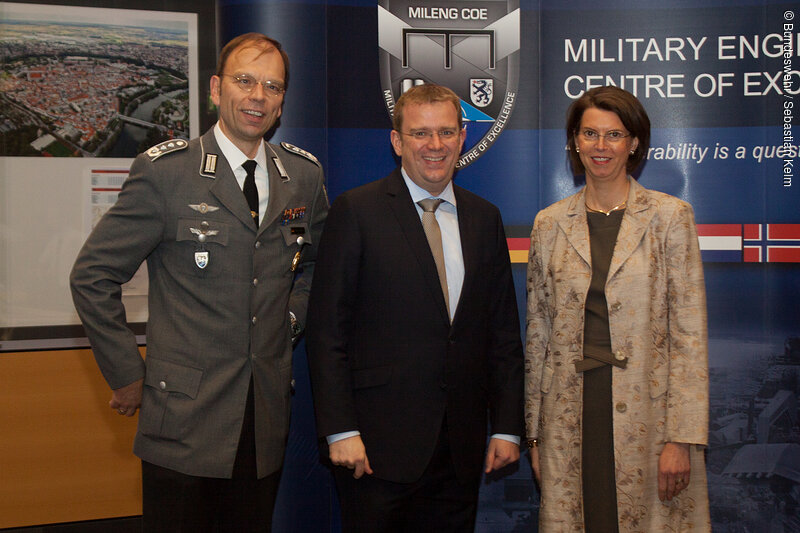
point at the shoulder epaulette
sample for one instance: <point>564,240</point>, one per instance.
<point>299,151</point>
<point>167,147</point>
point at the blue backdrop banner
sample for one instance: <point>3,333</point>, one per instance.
<point>720,81</point>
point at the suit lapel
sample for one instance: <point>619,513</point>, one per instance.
<point>225,187</point>
<point>576,228</point>
<point>402,208</point>
<point>279,190</point>
<point>634,224</point>
<point>470,243</point>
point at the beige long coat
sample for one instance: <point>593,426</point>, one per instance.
<point>657,317</point>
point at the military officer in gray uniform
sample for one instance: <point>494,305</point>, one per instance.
<point>230,274</point>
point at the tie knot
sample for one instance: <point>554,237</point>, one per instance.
<point>249,166</point>
<point>430,205</point>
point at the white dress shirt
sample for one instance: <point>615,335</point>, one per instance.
<point>236,157</point>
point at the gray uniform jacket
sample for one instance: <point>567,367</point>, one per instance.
<point>209,328</point>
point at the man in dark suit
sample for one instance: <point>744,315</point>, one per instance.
<point>414,335</point>
<point>230,274</point>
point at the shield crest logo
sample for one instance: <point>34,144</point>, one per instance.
<point>481,91</point>
<point>472,48</point>
<point>201,259</point>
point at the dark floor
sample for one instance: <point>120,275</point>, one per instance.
<point>131,524</point>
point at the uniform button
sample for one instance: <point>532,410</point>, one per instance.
<point>253,320</point>
<point>162,385</point>
<point>622,407</point>
<point>619,356</point>
<point>292,383</point>
<point>616,306</point>
<point>255,282</point>
<point>258,244</point>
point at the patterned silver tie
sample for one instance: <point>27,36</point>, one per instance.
<point>434,235</point>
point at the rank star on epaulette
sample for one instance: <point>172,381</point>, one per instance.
<point>290,215</point>
<point>167,147</point>
<point>299,151</point>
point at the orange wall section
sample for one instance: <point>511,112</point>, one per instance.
<point>64,454</point>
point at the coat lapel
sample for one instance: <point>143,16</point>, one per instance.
<point>409,221</point>
<point>279,190</point>
<point>634,224</point>
<point>225,188</point>
<point>470,246</point>
<point>576,228</point>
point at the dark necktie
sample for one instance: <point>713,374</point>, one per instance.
<point>434,235</point>
<point>249,188</point>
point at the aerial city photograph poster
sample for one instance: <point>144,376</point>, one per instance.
<point>92,82</point>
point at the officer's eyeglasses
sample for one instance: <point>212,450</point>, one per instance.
<point>248,84</point>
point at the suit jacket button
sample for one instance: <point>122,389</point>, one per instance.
<point>255,282</point>
<point>162,385</point>
<point>443,386</point>
<point>258,244</point>
<point>622,407</point>
<point>254,320</point>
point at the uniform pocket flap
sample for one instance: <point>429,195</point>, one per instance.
<point>291,232</point>
<point>172,377</point>
<point>371,377</point>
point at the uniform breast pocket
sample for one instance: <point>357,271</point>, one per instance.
<point>200,246</point>
<point>295,236</point>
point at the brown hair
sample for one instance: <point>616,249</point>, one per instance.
<point>427,93</point>
<point>258,40</point>
<point>630,112</point>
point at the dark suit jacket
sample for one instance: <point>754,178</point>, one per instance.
<point>385,359</point>
<point>209,329</point>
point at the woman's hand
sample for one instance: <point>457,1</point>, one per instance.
<point>674,469</point>
<point>535,464</point>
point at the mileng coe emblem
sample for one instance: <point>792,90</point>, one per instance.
<point>471,47</point>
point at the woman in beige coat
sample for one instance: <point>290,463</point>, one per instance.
<point>616,356</point>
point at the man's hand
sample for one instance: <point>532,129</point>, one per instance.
<point>350,453</point>
<point>674,469</point>
<point>500,453</point>
<point>126,400</point>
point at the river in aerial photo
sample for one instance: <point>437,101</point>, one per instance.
<point>127,144</point>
